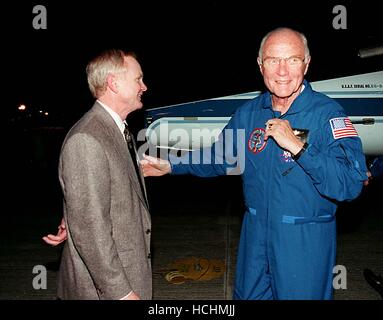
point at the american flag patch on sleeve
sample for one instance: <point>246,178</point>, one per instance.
<point>342,128</point>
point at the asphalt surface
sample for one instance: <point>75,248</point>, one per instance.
<point>191,217</point>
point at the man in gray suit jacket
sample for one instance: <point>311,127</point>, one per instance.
<point>107,222</point>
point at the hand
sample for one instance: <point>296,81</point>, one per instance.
<point>154,167</point>
<point>61,235</point>
<point>284,135</point>
<point>131,296</point>
<point>369,175</point>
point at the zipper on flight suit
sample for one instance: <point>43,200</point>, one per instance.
<point>286,172</point>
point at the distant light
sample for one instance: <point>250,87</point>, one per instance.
<point>22,107</point>
<point>46,113</point>
<point>41,111</point>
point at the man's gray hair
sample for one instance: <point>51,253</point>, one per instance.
<point>106,63</point>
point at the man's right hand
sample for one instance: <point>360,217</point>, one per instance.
<point>131,296</point>
<point>154,167</point>
<point>61,235</point>
<point>369,175</point>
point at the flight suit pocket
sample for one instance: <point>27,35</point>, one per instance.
<point>302,220</point>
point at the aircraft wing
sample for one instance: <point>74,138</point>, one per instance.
<point>193,125</point>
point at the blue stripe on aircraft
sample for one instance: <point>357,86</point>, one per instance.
<point>212,121</point>
<point>226,108</point>
<point>362,106</point>
<point>206,108</point>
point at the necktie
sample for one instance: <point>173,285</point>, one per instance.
<point>133,153</point>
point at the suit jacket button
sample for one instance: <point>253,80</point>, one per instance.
<point>148,231</point>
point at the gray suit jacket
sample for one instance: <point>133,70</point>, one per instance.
<point>107,253</point>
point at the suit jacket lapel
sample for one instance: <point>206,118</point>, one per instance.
<point>121,147</point>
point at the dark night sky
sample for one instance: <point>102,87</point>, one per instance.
<point>189,50</point>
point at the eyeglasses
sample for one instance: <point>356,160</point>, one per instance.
<point>272,62</point>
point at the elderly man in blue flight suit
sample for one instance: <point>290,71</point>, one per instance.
<point>301,156</point>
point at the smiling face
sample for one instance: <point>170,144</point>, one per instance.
<point>283,79</point>
<point>130,84</point>
<point>115,78</point>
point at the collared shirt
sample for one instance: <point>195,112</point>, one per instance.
<point>117,119</point>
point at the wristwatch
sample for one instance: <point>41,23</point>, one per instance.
<point>297,156</point>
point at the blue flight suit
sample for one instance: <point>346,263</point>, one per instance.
<point>287,247</point>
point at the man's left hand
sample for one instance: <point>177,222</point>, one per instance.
<point>60,237</point>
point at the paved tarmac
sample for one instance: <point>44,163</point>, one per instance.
<point>191,217</point>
